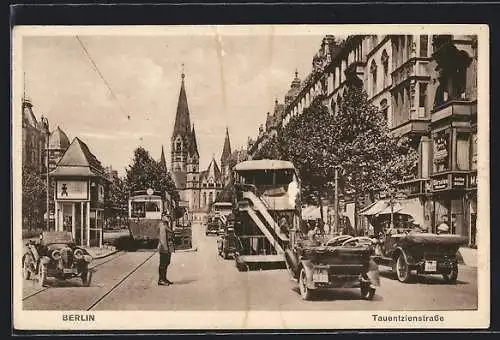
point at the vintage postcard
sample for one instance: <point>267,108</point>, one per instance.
<point>251,177</point>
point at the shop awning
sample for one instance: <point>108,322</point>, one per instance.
<point>313,213</point>
<point>374,208</point>
<point>411,207</point>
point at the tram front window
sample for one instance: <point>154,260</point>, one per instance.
<point>138,210</point>
<point>152,207</point>
<point>145,209</point>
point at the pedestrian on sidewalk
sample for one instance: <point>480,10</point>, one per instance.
<point>165,248</point>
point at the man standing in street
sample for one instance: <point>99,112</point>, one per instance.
<point>165,248</point>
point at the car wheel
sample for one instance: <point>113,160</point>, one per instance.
<point>27,265</point>
<point>86,277</point>
<point>305,292</point>
<point>452,276</point>
<point>367,292</point>
<point>42,275</point>
<point>402,269</point>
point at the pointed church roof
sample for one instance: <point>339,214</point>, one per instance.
<point>182,124</point>
<point>193,145</point>
<point>58,139</point>
<point>78,161</point>
<point>163,162</point>
<point>28,115</point>
<point>212,170</point>
<point>226,150</point>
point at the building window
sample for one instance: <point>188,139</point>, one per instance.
<point>422,95</point>
<point>333,106</point>
<point>463,149</point>
<point>385,67</point>
<point>424,43</point>
<point>373,71</point>
<point>178,145</point>
<point>204,199</point>
<point>210,198</point>
<point>339,102</point>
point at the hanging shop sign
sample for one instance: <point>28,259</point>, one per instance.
<point>72,190</point>
<point>415,187</point>
<point>472,182</point>
<point>441,183</point>
<point>459,181</point>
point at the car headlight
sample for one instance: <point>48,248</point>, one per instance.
<point>78,254</point>
<point>87,258</point>
<point>56,254</point>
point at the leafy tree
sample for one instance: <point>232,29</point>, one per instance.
<point>306,139</point>
<point>372,158</point>
<point>272,149</point>
<point>145,172</point>
<point>116,204</point>
<point>33,198</point>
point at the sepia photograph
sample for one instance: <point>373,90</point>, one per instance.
<point>253,176</point>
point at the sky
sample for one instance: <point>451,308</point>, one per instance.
<point>231,81</point>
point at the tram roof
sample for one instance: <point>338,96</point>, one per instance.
<point>264,164</point>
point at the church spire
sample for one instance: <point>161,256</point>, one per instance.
<point>226,150</point>
<point>194,144</point>
<point>163,162</point>
<point>182,124</point>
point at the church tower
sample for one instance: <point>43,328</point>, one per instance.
<point>225,159</point>
<point>192,173</point>
<point>181,136</point>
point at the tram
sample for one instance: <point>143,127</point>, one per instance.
<point>145,208</point>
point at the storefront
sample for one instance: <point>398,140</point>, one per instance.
<point>450,202</point>
<point>79,195</point>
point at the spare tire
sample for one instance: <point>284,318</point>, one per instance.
<point>292,262</point>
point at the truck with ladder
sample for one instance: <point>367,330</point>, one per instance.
<point>266,205</point>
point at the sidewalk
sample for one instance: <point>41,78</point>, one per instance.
<point>99,253</point>
<point>467,256</point>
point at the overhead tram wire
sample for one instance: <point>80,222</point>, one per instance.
<point>99,73</point>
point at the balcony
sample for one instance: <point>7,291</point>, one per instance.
<point>455,109</point>
<point>414,68</point>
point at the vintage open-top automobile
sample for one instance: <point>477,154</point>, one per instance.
<point>411,249</point>
<point>56,255</point>
<point>337,263</point>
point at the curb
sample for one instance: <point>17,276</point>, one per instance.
<point>190,250</point>
<point>106,255</point>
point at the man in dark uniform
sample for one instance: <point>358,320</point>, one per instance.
<point>165,248</point>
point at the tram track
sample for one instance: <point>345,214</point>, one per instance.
<point>92,268</point>
<point>116,285</point>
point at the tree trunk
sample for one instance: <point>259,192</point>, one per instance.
<point>321,207</point>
